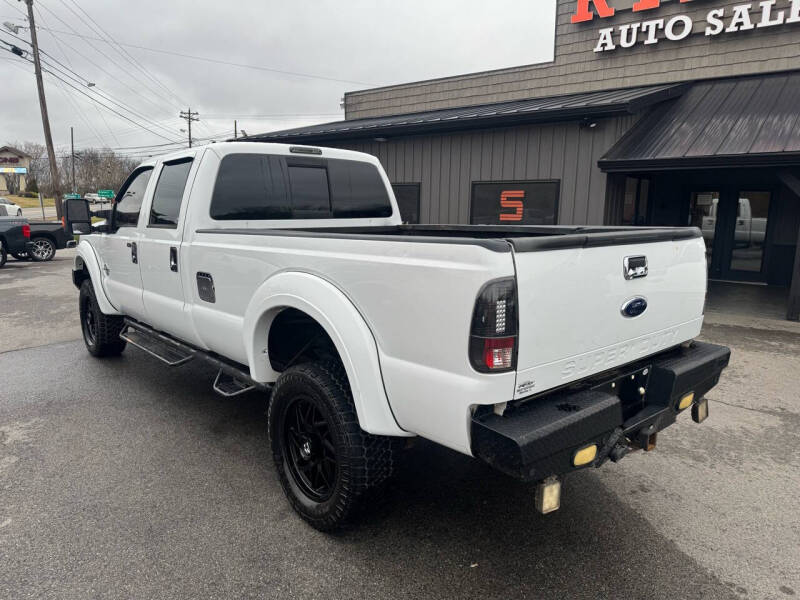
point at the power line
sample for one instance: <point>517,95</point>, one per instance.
<point>136,92</point>
<point>83,81</point>
<point>120,50</point>
<point>93,99</point>
<point>230,64</point>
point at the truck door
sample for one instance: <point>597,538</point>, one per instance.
<point>119,248</point>
<point>160,257</point>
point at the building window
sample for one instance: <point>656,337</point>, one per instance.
<point>637,201</point>
<point>407,196</point>
<point>515,203</point>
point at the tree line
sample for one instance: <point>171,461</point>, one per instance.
<point>95,169</point>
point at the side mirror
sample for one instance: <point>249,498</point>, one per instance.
<point>77,218</point>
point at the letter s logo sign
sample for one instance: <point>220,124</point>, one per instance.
<point>512,199</point>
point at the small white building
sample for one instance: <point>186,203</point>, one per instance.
<point>13,163</point>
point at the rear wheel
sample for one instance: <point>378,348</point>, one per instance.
<point>42,249</point>
<point>100,332</point>
<point>324,460</point>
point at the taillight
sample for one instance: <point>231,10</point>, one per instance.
<point>493,337</point>
<point>26,231</point>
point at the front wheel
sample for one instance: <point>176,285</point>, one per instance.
<point>323,458</point>
<point>100,332</point>
<point>42,249</point>
<point>3,254</point>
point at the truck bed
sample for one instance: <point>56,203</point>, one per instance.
<point>494,237</point>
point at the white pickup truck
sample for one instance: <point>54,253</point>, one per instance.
<point>540,350</point>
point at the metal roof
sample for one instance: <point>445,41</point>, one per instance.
<point>561,108</point>
<point>743,121</point>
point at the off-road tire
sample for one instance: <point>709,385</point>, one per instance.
<point>100,332</point>
<point>363,461</point>
<point>44,249</point>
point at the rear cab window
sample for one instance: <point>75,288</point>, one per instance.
<point>266,187</point>
<point>168,195</point>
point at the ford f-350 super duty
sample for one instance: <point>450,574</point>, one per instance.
<point>539,350</point>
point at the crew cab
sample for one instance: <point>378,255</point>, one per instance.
<point>538,350</point>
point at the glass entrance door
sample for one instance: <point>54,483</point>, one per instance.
<point>734,225</point>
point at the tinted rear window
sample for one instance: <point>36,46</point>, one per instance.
<point>310,192</point>
<point>260,187</point>
<point>250,186</point>
<point>358,190</point>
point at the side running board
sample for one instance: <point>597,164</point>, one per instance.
<point>165,349</point>
<point>232,379</point>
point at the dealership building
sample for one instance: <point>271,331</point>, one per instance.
<point>655,112</point>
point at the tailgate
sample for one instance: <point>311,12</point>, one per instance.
<point>573,300</point>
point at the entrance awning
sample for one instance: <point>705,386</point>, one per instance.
<point>736,122</point>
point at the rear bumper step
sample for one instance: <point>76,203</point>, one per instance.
<point>542,437</point>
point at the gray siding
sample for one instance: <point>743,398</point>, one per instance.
<point>446,165</point>
<point>577,68</point>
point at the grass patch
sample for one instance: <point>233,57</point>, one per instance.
<point>30,202</point>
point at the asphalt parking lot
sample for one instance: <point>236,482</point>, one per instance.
<point>124,478</point>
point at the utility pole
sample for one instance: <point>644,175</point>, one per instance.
<point>48,138</point>
<point>72,146</point>
<point>189,116</point>
<point>235,129</point>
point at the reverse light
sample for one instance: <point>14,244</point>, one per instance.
<point>493,335</point>
<point>26,231</point>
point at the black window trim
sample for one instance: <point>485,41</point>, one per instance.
<point>169,163</point>
<point>136,172</point>
<point>515,182</point>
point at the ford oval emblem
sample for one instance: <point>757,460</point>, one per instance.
<point>634,307</point>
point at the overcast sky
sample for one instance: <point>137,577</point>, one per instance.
<point>339,45</point>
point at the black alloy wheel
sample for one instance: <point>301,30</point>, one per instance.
<point>325,461</point>
<point>309,449</point>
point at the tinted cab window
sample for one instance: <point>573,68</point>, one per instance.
<point>260,187</point>
<point>250,187</point>
<point>169,193</point>
<point>129,200</point>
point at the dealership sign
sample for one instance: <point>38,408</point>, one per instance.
<point>719,21</point>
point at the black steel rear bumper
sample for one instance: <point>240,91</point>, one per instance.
<point>539,438</point>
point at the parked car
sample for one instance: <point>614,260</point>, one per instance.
<point>46,237</point>
<point>13,210</point>
<point>750,230</point>
<point>15,234</point>
<point>539,350</point>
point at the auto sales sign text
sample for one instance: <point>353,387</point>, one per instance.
<point>718,21</point>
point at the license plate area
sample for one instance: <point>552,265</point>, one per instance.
<point>630,388</point>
